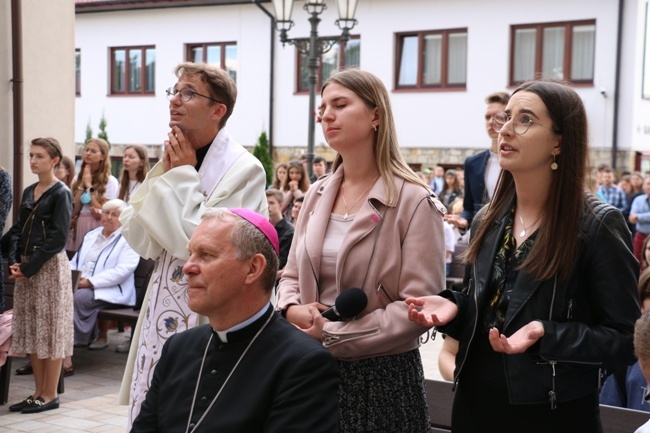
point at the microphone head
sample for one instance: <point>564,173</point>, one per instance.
<point>351,302</point>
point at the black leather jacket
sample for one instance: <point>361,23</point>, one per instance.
<point>42,228</point>
<point>588,320</point>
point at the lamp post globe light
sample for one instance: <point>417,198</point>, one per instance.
<point>313,47</point>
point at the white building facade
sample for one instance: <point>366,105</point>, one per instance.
<point>438,58</point>
<point>37,90</point>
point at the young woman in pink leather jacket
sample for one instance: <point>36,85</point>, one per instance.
<point>371,224</point>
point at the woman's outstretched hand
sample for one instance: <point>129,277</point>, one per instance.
<point>431,310</point>
<point>518,342</point>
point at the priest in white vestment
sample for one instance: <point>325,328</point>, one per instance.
<point>202,167</point>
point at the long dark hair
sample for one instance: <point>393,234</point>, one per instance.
<point>304,183</point>
<point>456,184</point>
<point>556,244</point>
<point>69,165</point>
<point>125,193</point>
<point>277,183</point>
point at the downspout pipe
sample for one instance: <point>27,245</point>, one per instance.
<point>17,87</point>
<point>271,75</point>
<point>617,81</point>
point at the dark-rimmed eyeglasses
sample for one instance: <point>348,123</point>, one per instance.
<point>520,122</point>
<point>187,94</point>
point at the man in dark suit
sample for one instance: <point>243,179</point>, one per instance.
<point>283,227</point>
<point>482,169</point>
<point>318,167</point>
<point>249,370</point>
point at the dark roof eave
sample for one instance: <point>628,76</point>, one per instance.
<point>120,5</point>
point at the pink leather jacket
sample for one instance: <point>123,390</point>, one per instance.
<point>397,250</point>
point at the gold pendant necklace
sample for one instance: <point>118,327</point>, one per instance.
<point>347,208</point>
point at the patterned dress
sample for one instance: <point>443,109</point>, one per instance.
<point>43,311</point>
<point>43,304</point>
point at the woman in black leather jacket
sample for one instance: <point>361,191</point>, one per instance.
<point>550,298</point>
<point>43,306</point>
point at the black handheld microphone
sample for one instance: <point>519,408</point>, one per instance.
<point>347,305</point>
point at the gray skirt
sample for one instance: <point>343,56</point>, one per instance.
<point>86,310</point>
<point>383,394</point>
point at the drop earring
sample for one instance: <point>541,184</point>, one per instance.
<point>374,127</point>
<point>554,164</point>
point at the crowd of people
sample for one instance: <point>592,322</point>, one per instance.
<point>249,323</point>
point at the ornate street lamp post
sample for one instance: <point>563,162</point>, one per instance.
<point>313,47</point>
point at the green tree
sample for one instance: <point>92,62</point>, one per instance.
<point>89,132</point>
<point>102,130</point>
<point>261,152</point>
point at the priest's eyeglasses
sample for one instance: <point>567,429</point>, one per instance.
<point>187,94</point>
<point>520,122</point>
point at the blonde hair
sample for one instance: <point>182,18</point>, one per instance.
<point>456,206</point>
<point>389,159</point>
<point>103,172</point>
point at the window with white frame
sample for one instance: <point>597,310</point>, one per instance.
<point>341,55</point>
<point>133,70</point>
<point>221,54</point>
<point>431,59</point>
<point>561,51</point>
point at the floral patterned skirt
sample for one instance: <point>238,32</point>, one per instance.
<point>43,311</point>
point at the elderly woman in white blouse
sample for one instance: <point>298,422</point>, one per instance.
<point>107,263</point>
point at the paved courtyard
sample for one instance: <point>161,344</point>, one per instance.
<point>89,403</point>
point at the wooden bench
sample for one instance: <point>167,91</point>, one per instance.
<point>5,370</point>
<point>440,399</point>
<point>129,315</point>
